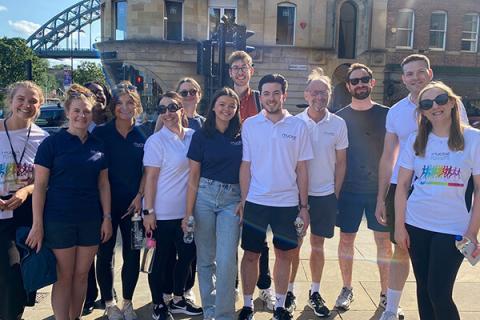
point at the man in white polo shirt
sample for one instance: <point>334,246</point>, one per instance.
<point>273,179</point>
<point>326,171</point>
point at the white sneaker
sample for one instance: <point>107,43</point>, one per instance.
<point>190,296</point>
<point>388,315</point>
<point>114,313</point>
<point>345,298</point>
<point>128,312</point>
<point>268,298</point>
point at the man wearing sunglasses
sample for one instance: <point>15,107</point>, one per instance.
<point>365,121</point>
<point>401,122</point>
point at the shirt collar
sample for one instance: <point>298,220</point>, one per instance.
<point>262,116</point>
<point>326,118</point>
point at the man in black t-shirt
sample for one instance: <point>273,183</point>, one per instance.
<point>365,121</point>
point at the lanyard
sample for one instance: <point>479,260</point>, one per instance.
<point>14,155</point>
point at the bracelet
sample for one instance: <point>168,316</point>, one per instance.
<point>107,216</point>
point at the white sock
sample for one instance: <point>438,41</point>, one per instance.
<point>315,287</point>
<point>280,300</point>
<point>248,300</point>
<point>111,303</point>
<point>393,300</point>
<point>291,286</point>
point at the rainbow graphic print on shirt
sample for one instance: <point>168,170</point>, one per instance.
<point>441,175</point>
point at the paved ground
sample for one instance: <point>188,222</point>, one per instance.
<point>366,288</point>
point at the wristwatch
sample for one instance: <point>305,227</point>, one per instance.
<point>146,212</point>
<point>304,206</point>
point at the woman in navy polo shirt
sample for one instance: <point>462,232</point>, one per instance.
<point>213,196</point>
<point>71,202</point>
<point>124,149</point>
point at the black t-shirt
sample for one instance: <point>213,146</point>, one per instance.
<point>366,132</point>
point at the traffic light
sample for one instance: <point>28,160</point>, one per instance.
<point>240,36</point>
<point>139,83</point>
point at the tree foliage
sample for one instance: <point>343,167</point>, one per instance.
<point>88,71</point>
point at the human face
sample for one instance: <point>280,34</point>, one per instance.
<point>361,90</point>
<point>171,119</point>
<point>225,108</point>
<point>79,114</point>
<point>438,112</point>
<point>25,103</point>
<point>97,90</point>
<point>416,76</point>
<point>241,73</point>
<point>125,108</point>
<point>317,95</point>
<point>272,98</point>
<point>189,101</point>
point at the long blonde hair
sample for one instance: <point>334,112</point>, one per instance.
<point>456,141</point>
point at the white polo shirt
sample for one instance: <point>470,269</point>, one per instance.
<point>273,149</point>
<point>165,150</point>
<point>402,121</point>
<point>327,136</point>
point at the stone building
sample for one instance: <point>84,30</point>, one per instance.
<point>159,37</point>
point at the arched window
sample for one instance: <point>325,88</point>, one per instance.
<point>470,32</point>
<point>286,23</point>
<point>405,28</point>
<point>438,30</point>
<point>347,30</point>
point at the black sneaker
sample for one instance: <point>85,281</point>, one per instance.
<point>161,312</point>
<point>88,308</point>
<point>186,307</point>
<point>281,314</point>
<point>246,314</point>
<point>318,304</point>
<point>290,304</point>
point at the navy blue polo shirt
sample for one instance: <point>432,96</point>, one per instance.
<point>125,167</point>
<point>219,155</point>
<point>196,122</point>
<point>72,194</point>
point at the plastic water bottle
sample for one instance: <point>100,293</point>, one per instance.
<point>188,236</point>
<point>136,232</point>
<point>299,224</point>
<point>467,247</point>
<point>148,254</point>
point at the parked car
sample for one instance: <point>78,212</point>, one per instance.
<point>52,117</point>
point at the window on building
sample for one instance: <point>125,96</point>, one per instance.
<point>347,31</point>
<point>438,30</point>
<point>173,20</point>
<point>405,25</point>
<point>470,32</point>
<point>120,20</point>
<point>216,10</point>
<point>285,23</point>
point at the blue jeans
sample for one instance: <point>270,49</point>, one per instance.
<point>217,234</point>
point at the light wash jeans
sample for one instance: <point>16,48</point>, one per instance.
<point>217,234</point>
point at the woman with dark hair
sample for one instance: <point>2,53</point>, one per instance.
<point>124,149</point>
<point>166,177</point>
<point>441,155</point>
<point>212,198</point>
<point>19,141</point>
<point>71,202</point>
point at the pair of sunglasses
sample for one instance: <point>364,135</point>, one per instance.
<point>172,107</point>
<point>427,104</point>
<point>355,81</point>
<point>76,94</point>
<point>186,93</point>
<point>123,86</point>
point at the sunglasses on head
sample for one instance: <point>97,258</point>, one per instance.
<point>355,81</point>
<point>191,92</point>
<point>123,86</point>
<point>427,104</point>
<point>172,107</point>
<point>76,94</point>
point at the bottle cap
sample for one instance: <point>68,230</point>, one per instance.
<point>458,238</point>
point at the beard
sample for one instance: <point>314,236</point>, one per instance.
<point>361,95</point>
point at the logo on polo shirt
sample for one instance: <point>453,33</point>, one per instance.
<point>138,144</point>
<point>328,133</point>
<point>289,136</point>
<point>236,143</point>
<point>96,155</point>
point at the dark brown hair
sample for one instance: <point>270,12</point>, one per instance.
<point>178,100</point>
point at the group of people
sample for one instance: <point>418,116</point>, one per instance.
<point>247,166</point>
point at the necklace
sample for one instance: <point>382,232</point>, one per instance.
<point>14,155</point>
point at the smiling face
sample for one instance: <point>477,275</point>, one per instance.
<point>171,119</point>
<point>192,95</point>
<point>79,114</point>
<point>317,95</point>
<point>225,108</point>
<point>125,108</point>
<point>437,113</point>
<point>416,75</point>
<point>25,103</point>
<point>360,90</point>
<point>241,72</point>
<point>272,98</point>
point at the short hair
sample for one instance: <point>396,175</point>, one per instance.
<point>240,55</point>
<point>72,94</point>
<point>273,78</point>
<point>13,88</point>
<point>178,99</point>
<point>415,57</point>
<point>106,91</point>
<point>119,91</point>
<point>357,66</point>
<point>194,83</point>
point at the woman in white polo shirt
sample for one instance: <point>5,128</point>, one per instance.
<point>442,155</point>
<point>167,169</point>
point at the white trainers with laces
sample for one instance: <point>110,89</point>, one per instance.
<point>345,298</point>
<point>268,298</point>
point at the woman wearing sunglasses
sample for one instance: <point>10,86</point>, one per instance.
<point>441,155</point>
<point>191,94</point>
<point>124,149</point>
<point>71,202</point>
<point>213,196</point>
<point>166,172</point>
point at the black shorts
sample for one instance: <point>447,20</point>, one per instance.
<point>257,217</point>
<point>390,211</point>
<point>63,235</point>
<point>323,214</point>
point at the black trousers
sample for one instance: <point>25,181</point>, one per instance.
<point>435,261</point>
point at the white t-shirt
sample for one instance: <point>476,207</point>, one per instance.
<point>402,121</point>
<point>11,178</point>
<point>438,199</point>
<point>165,150</point>
<point>273,149</point>
<point>327,136</point>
